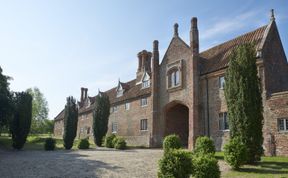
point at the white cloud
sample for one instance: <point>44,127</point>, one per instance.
<point>223,26</point>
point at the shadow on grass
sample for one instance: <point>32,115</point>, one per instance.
<point>267,167</point>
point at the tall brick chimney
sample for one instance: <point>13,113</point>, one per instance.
<point>84,92</point>
<point>194,78</point>
<point>194,36</point>
<point>155,90</point>
<point>144,64</point>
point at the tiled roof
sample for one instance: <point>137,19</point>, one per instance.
<point>132,91</point>
<point>60,116</point>
<point>217,57</point>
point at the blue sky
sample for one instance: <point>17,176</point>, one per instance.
<point>60,46</point>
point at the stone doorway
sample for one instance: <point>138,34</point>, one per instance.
<point>177,121</point>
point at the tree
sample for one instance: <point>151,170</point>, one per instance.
<point>70,122</point>
<point>100,117</point>
<point>244,101</point>
<point>6,106</point>
<point>39,110</point>
<point>21,122</point>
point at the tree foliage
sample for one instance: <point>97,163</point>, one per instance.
<point>70,122</point>
<point>6,105</point>
<point>244,101</point>
<point>21,122</point>
<point>100,117</point>
<point>39,111</point>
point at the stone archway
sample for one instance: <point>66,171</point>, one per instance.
<point>177,121</point>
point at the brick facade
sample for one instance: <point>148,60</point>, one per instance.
<point>184,94</point>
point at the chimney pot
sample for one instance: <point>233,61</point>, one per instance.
<point>155,45</point>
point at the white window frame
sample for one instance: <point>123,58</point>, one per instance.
<point>285,124</point>
<point>114,109</point>
<point>143,124</point>
<point>221,82</point>
<point>143,102</point>
<point>223,121</point>
<point>127,106</point>
<point>114,127</point>
<point>145,84</point>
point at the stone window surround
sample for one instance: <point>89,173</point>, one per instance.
<point>143,103</point>
<point>177,65</point>
<point>127,106</point>
<point>144,125</point>
<point>223,119</point>
<point>221,82</point>
<point>114,127</point>
<point>285,125</point>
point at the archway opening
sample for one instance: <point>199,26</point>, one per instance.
<point>177,122</point>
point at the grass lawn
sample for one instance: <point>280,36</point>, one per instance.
<point>267,167</point>
<point>36,142</point>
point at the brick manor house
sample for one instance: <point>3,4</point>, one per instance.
<point>184,93</point>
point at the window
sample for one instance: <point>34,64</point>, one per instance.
<point>81,130</point>
<point>146,84</point>
<point>114,108</point>
<point>283,124</point>
<point>88,130</point>
<point>143,124</point>
<point>127,106</point>
<point>114,127</point>
<point>174,78</point>
<point>143,102</point>
<point>223,121</point>
<point>221,82</point>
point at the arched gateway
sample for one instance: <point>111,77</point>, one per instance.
<point>177,120</point>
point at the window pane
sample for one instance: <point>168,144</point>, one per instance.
<point>221,82</point>
<point>177,78</point>
<point>286,128</point>
<point>281,124</point>
<point>220,123</point>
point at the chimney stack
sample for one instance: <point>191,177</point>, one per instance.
<point>82,94</point>
<point>194,36</point>
<point>176,34</point>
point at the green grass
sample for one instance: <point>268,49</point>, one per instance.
<point>268,167</point>
<point>36,142</point>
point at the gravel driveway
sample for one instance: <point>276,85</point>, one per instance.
<point>90,163</point>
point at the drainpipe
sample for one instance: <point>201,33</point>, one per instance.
<point>207,103</point>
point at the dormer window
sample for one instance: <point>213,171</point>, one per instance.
<point>119,90</point>
<point>146,80</point>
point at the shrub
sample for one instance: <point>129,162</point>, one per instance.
<point>175,163</point>
<point>204,145</point>
<point>235,153</point>
<point>49,144</point>
<point>205,165</point>
<point>109,141</point>
<point>119,143</point>
<point>171,142</point>
<point>84,144</point>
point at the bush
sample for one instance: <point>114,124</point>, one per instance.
<point>204,145</point>
<point>235,153</point>
<point>205,165</point>
<point>171,142</point>
<point>84,144</point>
<point>109,141</point>
<point>49,144</point>
<point>119,143</point>
<point>175,163</point>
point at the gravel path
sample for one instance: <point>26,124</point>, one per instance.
<point>91,163</point>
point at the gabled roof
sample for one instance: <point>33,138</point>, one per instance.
<point>60,116</point>
<point>217,57</point>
